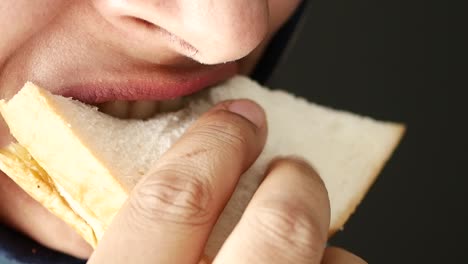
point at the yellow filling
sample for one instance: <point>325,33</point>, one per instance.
<point>21,167</point>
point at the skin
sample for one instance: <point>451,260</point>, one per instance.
<point>60,42</point>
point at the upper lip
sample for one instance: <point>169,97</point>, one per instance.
<point>162,85</point>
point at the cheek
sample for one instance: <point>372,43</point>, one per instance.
<point>280,11</point>
<point>19,19</point>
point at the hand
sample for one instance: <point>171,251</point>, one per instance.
<point>170,213</point>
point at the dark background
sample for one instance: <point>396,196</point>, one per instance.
<point>391,60</point>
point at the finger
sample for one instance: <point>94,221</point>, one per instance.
<point>21,212</point>
<point>286,222</point>
<point>335,255</point>
<point>171,212</point>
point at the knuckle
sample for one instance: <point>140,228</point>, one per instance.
<point>289,226</point>
<point>173,197</point>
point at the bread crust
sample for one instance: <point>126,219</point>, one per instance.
<point>342,219</point>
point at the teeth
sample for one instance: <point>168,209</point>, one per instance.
<point>117,108</point>
<point>143,109</point>
<point>171,105</point>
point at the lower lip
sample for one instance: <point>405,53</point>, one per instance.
<point>163,85</point>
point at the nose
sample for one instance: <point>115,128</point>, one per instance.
<point>208,31</point>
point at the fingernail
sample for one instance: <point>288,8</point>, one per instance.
<point>249,110</point>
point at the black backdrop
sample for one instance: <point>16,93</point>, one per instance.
<point>390,60</point>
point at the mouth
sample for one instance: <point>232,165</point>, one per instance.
<point>142,96</point>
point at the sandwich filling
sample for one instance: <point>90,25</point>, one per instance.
<point>17,163</point>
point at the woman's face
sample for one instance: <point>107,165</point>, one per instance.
<point>106,50</point>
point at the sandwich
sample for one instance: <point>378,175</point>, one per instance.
<point>81,163</point>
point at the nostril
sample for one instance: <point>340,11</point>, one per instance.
<point>139,22</point>
<point>175,41</point>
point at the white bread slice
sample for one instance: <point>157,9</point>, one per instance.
<point>94,160</point>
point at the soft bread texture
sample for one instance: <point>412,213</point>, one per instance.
<point>93,160</point>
